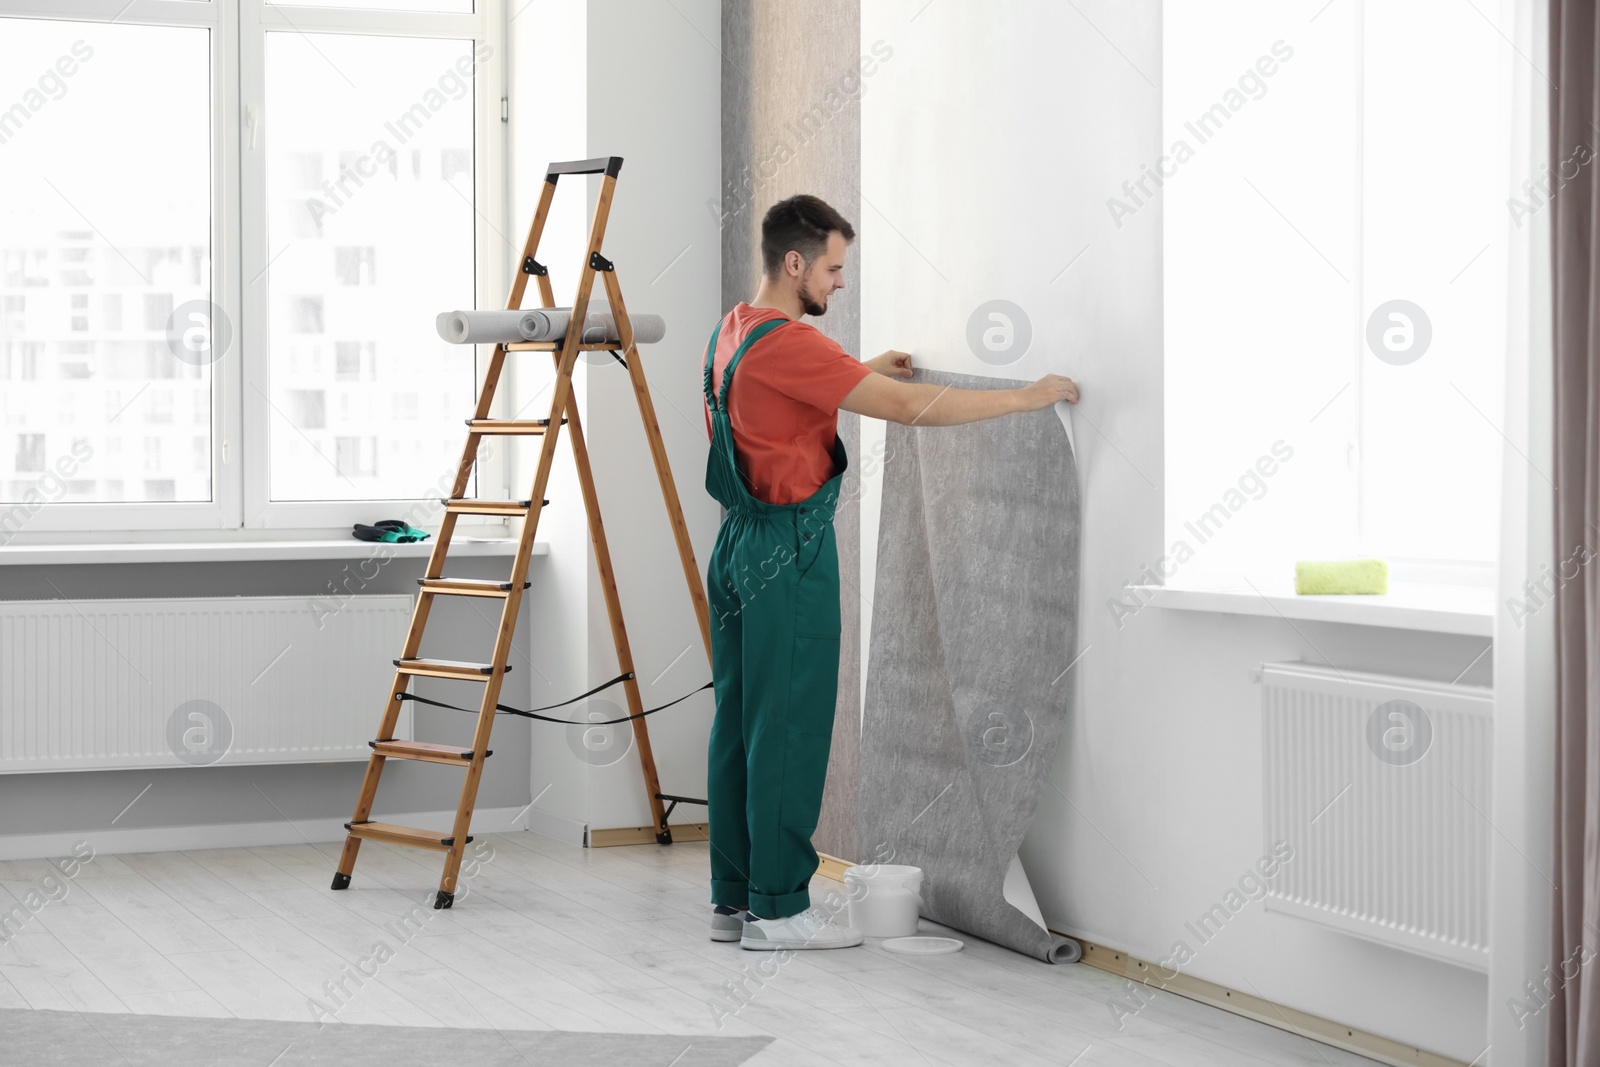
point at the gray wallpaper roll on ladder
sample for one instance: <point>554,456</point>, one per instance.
<point>539,324</point>
<point>974,620</point>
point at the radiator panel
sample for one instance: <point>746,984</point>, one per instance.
<point>97,684</point>
<point>1389,845</point>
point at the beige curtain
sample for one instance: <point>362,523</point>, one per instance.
<point>1574,1034</point>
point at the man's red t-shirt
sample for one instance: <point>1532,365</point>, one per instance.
<point>784,402</point>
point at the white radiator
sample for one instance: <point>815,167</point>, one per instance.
<point>93,684</point>
<point>1386,807</point>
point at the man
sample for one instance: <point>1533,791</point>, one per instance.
<point>773,387</point>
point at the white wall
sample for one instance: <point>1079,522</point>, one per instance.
<point>655,99</point>
<point>549,114</point>
<point>613,77</point>
<point>986,186</point>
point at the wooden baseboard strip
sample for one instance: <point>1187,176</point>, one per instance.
<point>646,835</point>
<point>1314,1027</point>
<point>832,866</point>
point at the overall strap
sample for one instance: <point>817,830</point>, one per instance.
<point>711,355</point>
<point>760,331</point>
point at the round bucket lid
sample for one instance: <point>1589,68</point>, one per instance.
<point>922,946</point>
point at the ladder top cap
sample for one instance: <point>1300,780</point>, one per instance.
<point>607,165</point>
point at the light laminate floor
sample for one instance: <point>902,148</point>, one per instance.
<point>549,936</point>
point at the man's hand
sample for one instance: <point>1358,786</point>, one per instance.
<point>1051,389</point>
<point>892,364</point>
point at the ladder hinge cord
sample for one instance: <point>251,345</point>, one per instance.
<point>534,714</point>
<point>505,109</point>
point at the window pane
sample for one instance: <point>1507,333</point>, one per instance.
<point>370,233</point>
<point>1255,246</point>
<point>463,7</point>
<point>105,262</point>
<point>1433,287</point>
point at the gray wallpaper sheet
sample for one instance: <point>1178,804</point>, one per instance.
<point>974,621</point>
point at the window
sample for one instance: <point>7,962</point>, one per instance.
<point>85,93</point>
<point>354,361</point>
<point>420,228</point>
<point>161,405</point>
<point>157,310</point>
<point>354,266</point>
<point>405,407</point>
<point>455,163</point>
<point>30,453</point>
<point>1334,330</point>
<point>356,456</point>
<point>307,409</point>
<point>305,314</point>
<point>367,132</point>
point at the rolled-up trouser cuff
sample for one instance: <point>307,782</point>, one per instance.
<point>778,907</point>
<point>730,894</point>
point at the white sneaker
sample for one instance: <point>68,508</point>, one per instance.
<point>727,927</point>
<point>807,929</point>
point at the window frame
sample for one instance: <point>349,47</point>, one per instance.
<point>240,414</point>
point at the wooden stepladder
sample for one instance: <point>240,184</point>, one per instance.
<point>563,411</point>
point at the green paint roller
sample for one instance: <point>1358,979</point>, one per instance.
<point>1321,577</point>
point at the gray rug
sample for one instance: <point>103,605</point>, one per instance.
<point>974,620</point>
<point>66,1037</point>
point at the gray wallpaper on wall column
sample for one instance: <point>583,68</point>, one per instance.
<point>791,123</point>
<point>975,608</point>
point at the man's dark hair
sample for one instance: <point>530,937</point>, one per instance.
<point>801,224</point>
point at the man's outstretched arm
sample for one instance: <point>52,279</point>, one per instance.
<point>880,396</point>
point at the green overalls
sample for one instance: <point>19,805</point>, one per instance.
<point>773,584</point>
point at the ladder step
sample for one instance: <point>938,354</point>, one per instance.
<point>400,835</point>
<point>446,668</point>
<point>462,505</point>
<point>508,426</point>
<point>425,751</point>
<point>468,586</point>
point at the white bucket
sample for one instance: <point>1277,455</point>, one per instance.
<point>885,898</point>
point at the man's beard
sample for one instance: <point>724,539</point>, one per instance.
<point>809,303</point>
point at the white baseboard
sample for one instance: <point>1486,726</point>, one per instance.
<point>567,830</point>
<point>244,834</point>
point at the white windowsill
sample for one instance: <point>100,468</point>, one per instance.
<point>231,551</point>
<point>1445,609</point>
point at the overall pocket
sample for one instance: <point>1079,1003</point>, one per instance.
<point>816,581</point>
<point>814,693</point>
